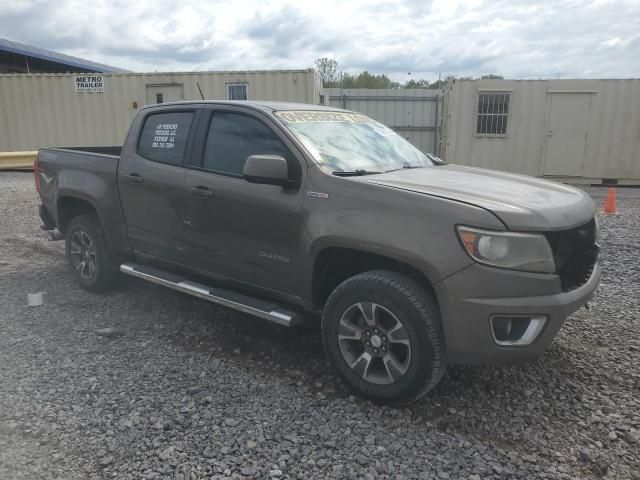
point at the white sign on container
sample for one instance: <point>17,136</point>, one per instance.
<point>86,83</point>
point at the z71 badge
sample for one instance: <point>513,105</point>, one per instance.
<point>318,194</point>
<point>273,256</point>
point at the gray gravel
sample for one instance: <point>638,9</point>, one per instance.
<point>146,383</point>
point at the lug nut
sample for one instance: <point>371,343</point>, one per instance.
<point>367,333</point>
<point>368,344</point>
<point>384,349</point>
<point>375,330</point>
<point>375,350</point>
<point>384,339</point>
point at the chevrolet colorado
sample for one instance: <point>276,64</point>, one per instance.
<point>289,211</point>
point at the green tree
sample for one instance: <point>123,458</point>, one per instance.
<point>366,80</point>
<point>441,83</point>
<point>422,83</point>
<point>492,76</point>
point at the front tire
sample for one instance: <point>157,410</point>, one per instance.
<point>90,259</point>
<point>381,331</point>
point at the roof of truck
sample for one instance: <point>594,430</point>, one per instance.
<point>262,105</point>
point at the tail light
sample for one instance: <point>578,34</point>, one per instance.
<point>36,174</point>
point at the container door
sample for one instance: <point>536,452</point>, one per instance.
<point>567,134</point>
<point>173,92</point>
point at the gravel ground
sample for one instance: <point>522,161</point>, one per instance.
<point>144,382</point>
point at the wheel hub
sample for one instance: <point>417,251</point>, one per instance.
<point>374,343</point>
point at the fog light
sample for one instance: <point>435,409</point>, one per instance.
<point>502,327</point>
<point>516,330</point>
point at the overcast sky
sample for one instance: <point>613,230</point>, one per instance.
<point>517,39</point>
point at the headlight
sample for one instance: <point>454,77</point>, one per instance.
<point>518,251</point>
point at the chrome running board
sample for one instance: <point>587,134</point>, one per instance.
<point>226,298</point>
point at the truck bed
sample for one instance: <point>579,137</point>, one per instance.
<point>88,178</point>
<point>115,150</point>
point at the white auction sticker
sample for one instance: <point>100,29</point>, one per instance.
<point>89,83</point>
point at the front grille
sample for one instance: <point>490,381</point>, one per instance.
<point>575,252</point>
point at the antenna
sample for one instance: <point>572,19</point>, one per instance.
<point>200,90</point>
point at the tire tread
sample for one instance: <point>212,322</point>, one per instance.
<point>428,310</point>
<point>108,268</point>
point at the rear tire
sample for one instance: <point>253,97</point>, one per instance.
<point>91,261</point>
<point>381,331</point>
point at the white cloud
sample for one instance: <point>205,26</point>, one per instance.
<point>518,39</point>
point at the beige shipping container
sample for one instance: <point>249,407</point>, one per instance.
<point>49,110</point>
<point>584,131</point>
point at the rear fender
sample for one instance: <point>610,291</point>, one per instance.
<point>102,195</point>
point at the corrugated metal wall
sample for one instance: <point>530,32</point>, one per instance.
<point>45,110</point>
<point>412,113</point>
<point>609,146</point>
<point>613,141</point>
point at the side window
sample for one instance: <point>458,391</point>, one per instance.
<point>164,137</point>
<point>493,114</point>
<point>237,91</point>
<point>234,137</point>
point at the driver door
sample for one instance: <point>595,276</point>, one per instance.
<point>241,231</point>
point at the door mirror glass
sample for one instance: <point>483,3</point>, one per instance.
<point>267,169</point>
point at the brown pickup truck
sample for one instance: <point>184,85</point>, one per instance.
<point>290,212</point>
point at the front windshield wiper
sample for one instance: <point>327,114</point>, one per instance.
<point>354,173</point>
<point>437,161</point>
<point>406,166</point>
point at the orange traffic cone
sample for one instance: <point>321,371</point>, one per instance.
<point>610,203</point>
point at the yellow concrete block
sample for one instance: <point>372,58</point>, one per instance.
<point>17,160</point>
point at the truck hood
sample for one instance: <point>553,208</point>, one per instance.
<point>521,202</point>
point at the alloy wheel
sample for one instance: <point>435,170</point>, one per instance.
<point>374,343</point>
<point>83,254</point>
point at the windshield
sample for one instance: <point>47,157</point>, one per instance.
<point>351,142</point>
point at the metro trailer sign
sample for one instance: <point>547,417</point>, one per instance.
<point>85,83</point>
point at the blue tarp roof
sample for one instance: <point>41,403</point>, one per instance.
<point>48,55</point>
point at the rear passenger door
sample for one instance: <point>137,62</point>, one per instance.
<point>151,180</point>
<point>245,232</point>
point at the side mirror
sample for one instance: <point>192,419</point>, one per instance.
<point>267,169</point>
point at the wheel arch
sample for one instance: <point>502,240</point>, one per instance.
<point>334,264</point>
<point>69,207</point>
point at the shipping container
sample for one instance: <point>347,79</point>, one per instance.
<point>38,110</point>
<point>583,131</point>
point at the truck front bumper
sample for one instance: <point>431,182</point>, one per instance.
<point>470,298</point>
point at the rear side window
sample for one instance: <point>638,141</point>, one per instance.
<point>234,137</point>
<point>164,137</point>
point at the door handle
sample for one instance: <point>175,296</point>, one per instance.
<point>201,191</point>
<point>134,178</point>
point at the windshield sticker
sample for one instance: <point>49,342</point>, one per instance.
<point>165,135</point>
<point>319,116</point>
<point>383,130</point>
